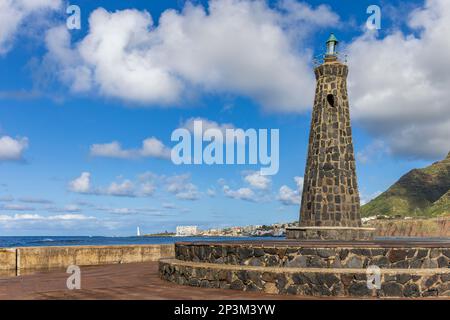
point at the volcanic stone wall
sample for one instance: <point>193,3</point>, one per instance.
<point>404,269</point>
<point>307,282</point>
<point>330,193</point>
<point>316,257</point>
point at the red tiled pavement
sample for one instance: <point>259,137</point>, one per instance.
<point>120,281</point>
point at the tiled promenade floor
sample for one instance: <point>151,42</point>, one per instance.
<point>123,281</point>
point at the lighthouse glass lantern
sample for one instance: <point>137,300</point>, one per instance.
<point>332,45</point>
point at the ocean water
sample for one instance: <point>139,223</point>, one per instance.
<point>8,242</point>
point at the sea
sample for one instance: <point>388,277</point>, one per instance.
<point>10,241</point>
<point>41,241</point>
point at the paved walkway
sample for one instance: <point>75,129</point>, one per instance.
<point>120,281</point>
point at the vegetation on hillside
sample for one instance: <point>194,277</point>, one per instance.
<point>419,193</point>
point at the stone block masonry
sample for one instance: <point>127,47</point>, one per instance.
<point>342,256</point>
<point>314,268</point>
<point>400,283</point>
<point>330,193</point>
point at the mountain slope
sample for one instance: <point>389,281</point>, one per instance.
<point>421,192</point>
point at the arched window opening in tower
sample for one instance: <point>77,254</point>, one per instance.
<point>330,99</point>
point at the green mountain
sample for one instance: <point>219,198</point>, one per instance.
<point>420,193</point>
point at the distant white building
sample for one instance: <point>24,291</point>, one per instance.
<point>186,231</point>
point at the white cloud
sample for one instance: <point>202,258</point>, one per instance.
<point>181,187</point>
<point>256,180</point>
<point>241,193</point>
<point>110,150</point>
<point>372,151</point>
<point>13,13</point>
<point>129,211</point>
<point>206,125</point>
<point>151,147</point>
<point>18,217</point>
<point>124,189</point>
<point>169,205</point>
<point>211,192</point>
<point>16,207</point>
<point>147,189</point>
<point>82,184</point>
<point>12,149</point>
<point>145,186</point>
<point>34,200</point>
<point>125,55</point>
<point>71,208</point>
<point>287,196</point>
<point>70,217</point>
<point>398,84</point>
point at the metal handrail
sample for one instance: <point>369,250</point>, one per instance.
<point>320,59</point>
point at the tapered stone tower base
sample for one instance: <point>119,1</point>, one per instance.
<point>330,200</point>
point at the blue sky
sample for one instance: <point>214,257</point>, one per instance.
<point>126,77</point>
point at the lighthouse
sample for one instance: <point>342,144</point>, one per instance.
<point>330,205</point>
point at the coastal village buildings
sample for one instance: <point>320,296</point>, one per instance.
<point>186,231</point>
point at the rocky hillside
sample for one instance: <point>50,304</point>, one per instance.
<point>419,193</point>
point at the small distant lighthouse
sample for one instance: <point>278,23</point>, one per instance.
<point>330,208</point>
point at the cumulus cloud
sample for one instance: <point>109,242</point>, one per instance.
<point>398,84</point>
<point>13,13</point>
<point>287,196</point>
<point>241,193</point>
<point>147,189</point>
<point>206,124</point>
<point>145,186</point>
<point>123,189</point>
<point>182,188</point>
<point>258,181</point>
<point>82,184</point>
<point>110,150</point>
<point>151,147</point>
<point>127,56</point>
<point>12,149</point>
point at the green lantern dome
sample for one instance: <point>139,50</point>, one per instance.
<point>332,38</point>
<point>332,43</point>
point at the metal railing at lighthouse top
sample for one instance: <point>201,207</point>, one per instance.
<point>320,59</point>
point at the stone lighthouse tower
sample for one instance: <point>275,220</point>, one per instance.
<point>330,208</point>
